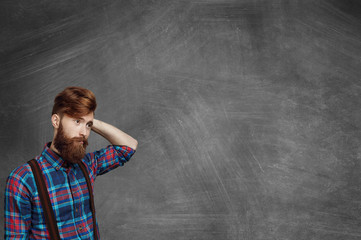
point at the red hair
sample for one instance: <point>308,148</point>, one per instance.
<point>75,102</point>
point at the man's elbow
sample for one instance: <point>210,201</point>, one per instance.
<point>134,144</point>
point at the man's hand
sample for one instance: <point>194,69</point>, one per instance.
<point>114,135</point>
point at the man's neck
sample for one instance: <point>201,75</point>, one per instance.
<point>52,147</point>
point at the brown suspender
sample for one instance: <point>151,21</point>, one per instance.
<point>45,201</point>
<point>46,204</point>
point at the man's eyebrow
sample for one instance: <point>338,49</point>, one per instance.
<point>79,118</point>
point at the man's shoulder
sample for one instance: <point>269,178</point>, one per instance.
<point>24,172</point>
<point>21,173</point>
<point>21,181</point>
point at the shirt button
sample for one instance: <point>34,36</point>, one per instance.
<point>80,228</point>
<point>57,168</point>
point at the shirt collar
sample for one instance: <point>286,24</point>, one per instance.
<point>52,157</point>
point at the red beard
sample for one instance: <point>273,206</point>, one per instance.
<point>70,149</point>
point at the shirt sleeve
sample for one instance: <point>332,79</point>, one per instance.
<point>17,206</point>
<point>108,158</point>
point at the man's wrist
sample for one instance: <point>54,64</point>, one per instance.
<point>96,125</point>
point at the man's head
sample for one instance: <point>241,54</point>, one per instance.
<point>75,102</point>
<point>72,118</point>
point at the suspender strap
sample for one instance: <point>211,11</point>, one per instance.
<point>45,201</point>
<point>90,189</point>
<point>46,204</point>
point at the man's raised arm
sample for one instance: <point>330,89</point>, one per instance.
<point>114,135</point>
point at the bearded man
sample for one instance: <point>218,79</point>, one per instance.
<point>73,120</point>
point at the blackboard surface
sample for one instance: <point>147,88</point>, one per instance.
<point>247,112</point>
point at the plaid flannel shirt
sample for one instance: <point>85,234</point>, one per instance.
<point>69,196</point>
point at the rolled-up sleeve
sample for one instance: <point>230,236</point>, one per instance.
<point>108,158</point>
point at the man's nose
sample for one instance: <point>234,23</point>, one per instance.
<point>83,131</point>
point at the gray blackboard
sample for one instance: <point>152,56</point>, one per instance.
<point>247,112</point>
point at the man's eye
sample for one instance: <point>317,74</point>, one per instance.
<point>77,121</point>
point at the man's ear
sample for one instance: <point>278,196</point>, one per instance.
<point>55,120</point>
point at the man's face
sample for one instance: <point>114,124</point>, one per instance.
<point>71,137</point>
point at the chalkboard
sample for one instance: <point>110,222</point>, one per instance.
<point>247,112</point>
